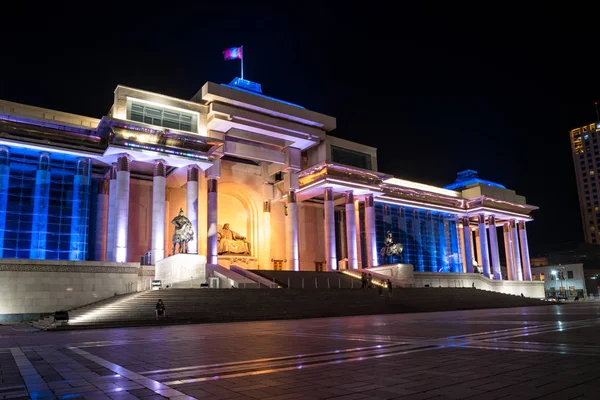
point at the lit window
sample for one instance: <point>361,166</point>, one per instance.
<point>157,115</point>
<point>591,172</point>
<point>542,277</point>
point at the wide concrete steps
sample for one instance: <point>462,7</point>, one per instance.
<point>224,305</point>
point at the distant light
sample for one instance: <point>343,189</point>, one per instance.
<point>554,272</point>
<point>586,137</point>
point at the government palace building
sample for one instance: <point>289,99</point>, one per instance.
<point>262,181</point>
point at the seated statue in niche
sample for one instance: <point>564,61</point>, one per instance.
<point>231,242</point>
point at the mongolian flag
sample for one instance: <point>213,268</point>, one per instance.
<point>233,53</point>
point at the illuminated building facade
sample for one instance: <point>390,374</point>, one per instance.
<point>586,160</point>
<point>85,189</point>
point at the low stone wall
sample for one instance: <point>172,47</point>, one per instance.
<point>33,288</point>
<point>533,289</point>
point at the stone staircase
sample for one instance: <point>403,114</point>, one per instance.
<point>226,305</point>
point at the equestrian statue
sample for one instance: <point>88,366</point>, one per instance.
<point>391,249</point>
<point>183,232</point>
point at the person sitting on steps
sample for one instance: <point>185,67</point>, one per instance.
<point>160,309</point>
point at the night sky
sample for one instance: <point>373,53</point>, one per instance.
<point>436,90</point>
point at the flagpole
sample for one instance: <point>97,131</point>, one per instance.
<point>242,59</point>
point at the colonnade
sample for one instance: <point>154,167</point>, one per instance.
<point>485,243</point>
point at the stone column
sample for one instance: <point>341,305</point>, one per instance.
<point>101,220</point>
<point>79,209</point>
<point>4,182</point>
<point>341,234</point>
<point>123,180</point>
<point>291,232</point>
<point>191,193</point>
<point>329,221</point>
<point>494,248</point>
<point>461,242</point>
<point>515,248</point>
<point>112,215</point>
<point>468,239</point>
<point>371,235</point>
<point>351,231</point>
<point>211,221</point>
<point>524,251</point>
<point>265,250</point>
<point>508,248</point>
<point>483,244</point>
<point>357,219</point>
<point>159,199</point>
<point>41,199</point>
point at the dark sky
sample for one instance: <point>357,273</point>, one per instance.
<point>435,89</point>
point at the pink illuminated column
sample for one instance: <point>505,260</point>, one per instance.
<point>159,198</point>
<point>123,179</point>
<point>329,210</point>
<point>483,244</point>
<point>468,246</point>
<point>508,248</point>
<point>211,221</point>
<point>370,233</point>
<point>494,248</point>
<point>351,231</point>
<point>112,215</point>
<point>515,249</point>
<point>291,232</point>
<point>191,193</point>
<point>524,251</point>
<point>101,220</point>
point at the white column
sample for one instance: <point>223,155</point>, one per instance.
<point>329,221</point>
<point>41,202</point>
<point>468,246</point>
<point>483,245</point>
<point>494,248</point>
<point>101,220</point>
<point>159,198</point>
<point>515,248</point>
<point>524,251</point>
<point>510,264</point>
<point>123,180</point>
<point>351,231</point>
<point>112,215</point>
<point>191,193</point>
<point>461,242</point>
<point>265,248</point>
<point>79,210</point>
<point>358,222</point>
<point>291,232</point>
<point>370,234</point>
<point>211,221</point>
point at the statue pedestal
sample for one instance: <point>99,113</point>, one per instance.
<point>239,260</point>
<point>181,271</point>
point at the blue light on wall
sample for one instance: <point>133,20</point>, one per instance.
<point>4,182</point>
<point>43,208</point>
<point>430,238</point>
<point>41,199</point>
<point>79,211</point>
<point>470,177</point>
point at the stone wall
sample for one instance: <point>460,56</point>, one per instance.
<point>434,279</point>
<point>31,288</point>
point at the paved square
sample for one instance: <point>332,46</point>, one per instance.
<point>520,353</point>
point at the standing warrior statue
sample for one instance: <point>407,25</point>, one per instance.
<point>390,248</point>
<point>183,232</point>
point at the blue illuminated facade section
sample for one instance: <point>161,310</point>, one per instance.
<point>254,88</point>
<point>470,177</point>
<point>47,206</point>
<point>430,238</point>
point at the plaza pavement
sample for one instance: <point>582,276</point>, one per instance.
<point>518,353</point>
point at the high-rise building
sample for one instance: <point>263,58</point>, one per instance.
<point>586,159</point>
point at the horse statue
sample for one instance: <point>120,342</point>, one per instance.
<point>183,232</point>
<point>390,248</point>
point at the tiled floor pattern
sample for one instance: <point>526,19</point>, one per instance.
<point>526,353</point>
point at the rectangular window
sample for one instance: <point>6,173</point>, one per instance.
<point>278,265</point>
<point>569,274</point>
<point>350,157</point>
<point>542,277</point>
<point>159,116</point>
